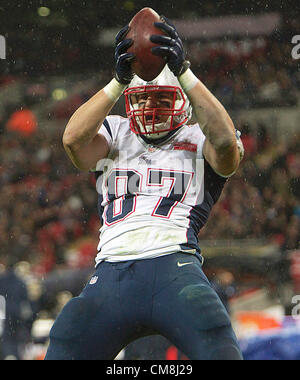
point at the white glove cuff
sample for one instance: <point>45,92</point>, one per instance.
<point>188,80</point>
<point>114,89</point>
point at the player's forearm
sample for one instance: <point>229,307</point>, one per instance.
<point>210,113</point>
<point>85,122</point>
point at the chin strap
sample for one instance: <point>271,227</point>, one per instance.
<point>161,140</point>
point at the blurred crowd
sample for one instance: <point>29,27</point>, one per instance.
<point>45,204</point>
<point>257,72</point>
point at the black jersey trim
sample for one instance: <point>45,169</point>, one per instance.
<point>107,126</point>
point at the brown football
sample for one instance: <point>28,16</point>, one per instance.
<point>146,65</point>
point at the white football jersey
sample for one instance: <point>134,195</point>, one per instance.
<point>153,199</point>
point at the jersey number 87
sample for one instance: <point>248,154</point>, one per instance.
<point>172,184</point>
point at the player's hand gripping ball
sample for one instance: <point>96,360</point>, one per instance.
<point>170,47</point>
<point>123,59</point>
<point>145,64</point>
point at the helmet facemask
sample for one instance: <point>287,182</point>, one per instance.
<point>169,111</point>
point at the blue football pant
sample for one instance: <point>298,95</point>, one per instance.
<point>129,300</point>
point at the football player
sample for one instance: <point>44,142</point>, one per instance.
<point>158,177</point>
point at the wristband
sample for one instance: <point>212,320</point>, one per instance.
<point>188,80</point>
<point>114,89</point>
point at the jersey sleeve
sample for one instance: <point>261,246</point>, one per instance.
<point>109,129</point>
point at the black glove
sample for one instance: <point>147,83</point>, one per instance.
<point>123,71</point>
<point>171,47</point>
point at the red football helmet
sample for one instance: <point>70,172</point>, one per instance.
<point>158,107</point>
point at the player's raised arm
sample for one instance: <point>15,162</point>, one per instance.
<point>221,148</point>
<point>81,140</point>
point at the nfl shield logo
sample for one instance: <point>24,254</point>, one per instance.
<point>93,280</point>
